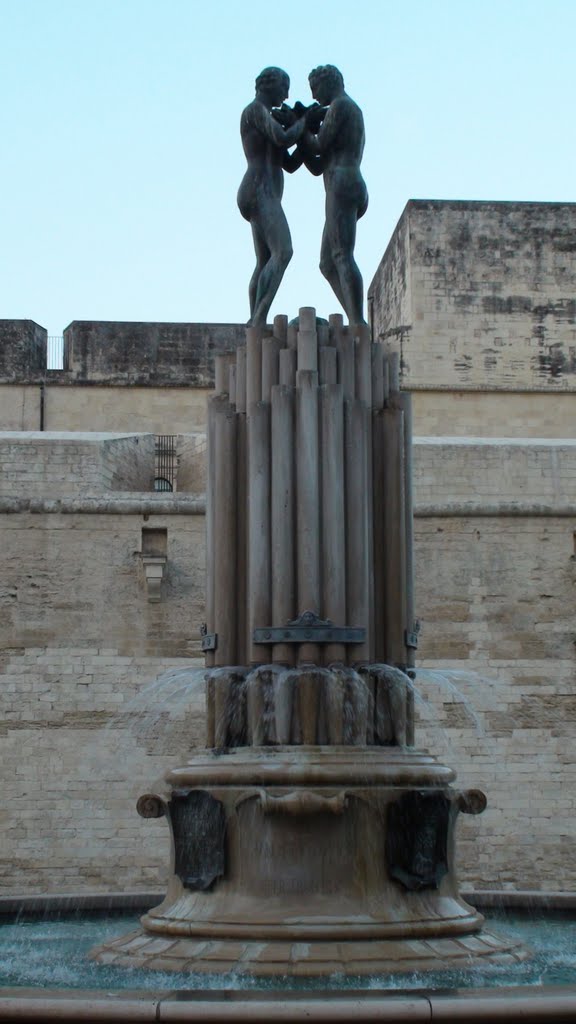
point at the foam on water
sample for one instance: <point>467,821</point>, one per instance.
<point>53,953</point>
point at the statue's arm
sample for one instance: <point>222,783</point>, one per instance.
<point>331,129</point>
<point>268,126</point>
<point>308,151</point>
<point>292,161</point>
<point>313,161</point>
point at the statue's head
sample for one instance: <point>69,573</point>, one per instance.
<point>273,83</point>
<point>326,83</point>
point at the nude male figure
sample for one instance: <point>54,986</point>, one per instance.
<point>336,152</point>
<point>266,143</point>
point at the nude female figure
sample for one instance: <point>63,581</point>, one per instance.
<point>266,143</point>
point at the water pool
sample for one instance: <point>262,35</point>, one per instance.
<point>53,953</point>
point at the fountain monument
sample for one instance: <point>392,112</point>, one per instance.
<point>311,837</point>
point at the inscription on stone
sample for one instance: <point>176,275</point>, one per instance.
<point>417,839</point>
<point>199,829</point>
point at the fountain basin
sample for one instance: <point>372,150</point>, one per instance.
<point>311,862</point>
<point>52,953</point>
<point>512,1005</point>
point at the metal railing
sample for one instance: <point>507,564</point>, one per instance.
<point>165,466</point>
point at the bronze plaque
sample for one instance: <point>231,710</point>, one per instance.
<point>417,839</point>
<point>199,829</point>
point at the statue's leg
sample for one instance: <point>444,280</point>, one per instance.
<point>341,219</point>
<point>262,256</point>
<point>328,267</point>
<point>272,225</point>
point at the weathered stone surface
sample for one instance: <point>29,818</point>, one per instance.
<point>481,413</point>
<point>22,351</point>
<point>87,407</point>
<point>481,295</point>
<point>111,352</point>
<point>36,463</point>
<point>472,473</point>
<point>79,642</point>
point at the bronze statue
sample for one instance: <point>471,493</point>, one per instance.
<point>266,140</point>
<point>334,149</point>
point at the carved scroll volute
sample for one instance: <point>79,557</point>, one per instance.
<point>471,801</point>
<point>151,806</point>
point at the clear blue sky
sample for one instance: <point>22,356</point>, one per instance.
<point>121,155</point>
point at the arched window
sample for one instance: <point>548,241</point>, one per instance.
<point>162,484</point>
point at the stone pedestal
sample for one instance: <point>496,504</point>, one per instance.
<point>309,862</point>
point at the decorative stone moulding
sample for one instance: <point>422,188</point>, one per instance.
<point>154,566</point>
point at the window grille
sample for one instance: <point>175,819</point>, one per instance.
<point>165,468</point>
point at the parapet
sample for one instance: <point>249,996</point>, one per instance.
<point>479,296</point>
<point>22,352</point>
<point>146,354</point>
<point>55,464</point>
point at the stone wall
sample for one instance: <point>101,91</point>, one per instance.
<point>82,728</point>
<point>183,410</point>
<point>480,295</point>
<point>39,463</point>
<point>86,730</point>
<point>22,351</point>
<point>484,474</point>
<point>498,642</point>
<point>155,377</point>
<point>159,410</point>
<point>166,354</point>
<point>191,451</point>
<point>487,414</point>
<point>20,406</point>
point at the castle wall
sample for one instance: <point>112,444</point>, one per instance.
<point>157,409</point>
<point>36,463</point>
<point>498,646</point>
<point>155,377</point>
<point>22,350</point>
<point>85,733</point>
<point>490,414</point>
<point>479,296</point>
<point>20,406</point>
<point>159,354</point>
<point>183,410</point>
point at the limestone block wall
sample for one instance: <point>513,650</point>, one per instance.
<point>118,376</point>
<point>191,450</point>
<point>75,578</point>
<point>496,595</point>
<point>112,352</point>
<point>22,351</point>
<point>85,728</point>
<point>20,406</point>
<point>82,731</point>
<point>481,294</point>
<point>494,475</point>
<point>36,463</point>
<point>489,414</point>
<point>157,409</point>
<point>498,657</point>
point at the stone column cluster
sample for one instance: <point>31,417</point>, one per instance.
<point>309,504</point>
